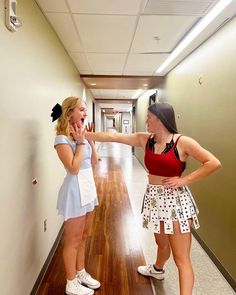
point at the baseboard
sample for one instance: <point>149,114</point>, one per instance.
<point>215,260</point>
<point>47,263</point>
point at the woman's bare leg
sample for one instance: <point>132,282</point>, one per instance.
<point>163,249</point>
<point>74,229</point>
<point>180,245</point>
<point>80,260</point>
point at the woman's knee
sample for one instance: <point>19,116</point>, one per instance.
<point>73,240</point>
<point>182,261</point>
<point>162,241</point>
<point>72,244</point>
<point>74,230</point>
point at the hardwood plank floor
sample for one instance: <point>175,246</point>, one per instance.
<point>113,252</point>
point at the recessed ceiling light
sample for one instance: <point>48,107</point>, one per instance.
<point>93,84</point>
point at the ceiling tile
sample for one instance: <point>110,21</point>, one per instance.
<point>81,62</point>
<point>99,35</point>
<point>173,7</point>
<point>106,63</point>
<point>143,64</point>
<point>160,33</point>
<point>96,92</point>
<point>65,29</point>
<point>126,93</point>
<point>108,34</point>
<point>127,7</point>
<point>105,93</point>
<point>53,5</point>
<point>85,72</point>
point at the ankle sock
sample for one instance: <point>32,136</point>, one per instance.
<point>78,272</point>
<point>71,281</point>
<point>157,269</point>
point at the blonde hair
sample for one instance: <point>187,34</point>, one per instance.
<point>68,105</point>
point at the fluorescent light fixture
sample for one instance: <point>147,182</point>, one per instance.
<point>84,95</point>
<point>220,6</point>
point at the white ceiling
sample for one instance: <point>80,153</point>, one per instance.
<point>123,37</point>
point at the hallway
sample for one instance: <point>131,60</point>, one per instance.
<point>119,57</point>
<point>118,243</point>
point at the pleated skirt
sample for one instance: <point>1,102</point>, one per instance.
<point>165,204</point>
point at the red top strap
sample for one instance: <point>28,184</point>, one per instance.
<point>150,137</point>
<point>176,141</point>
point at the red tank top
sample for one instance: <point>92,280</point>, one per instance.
<point>167,164</point>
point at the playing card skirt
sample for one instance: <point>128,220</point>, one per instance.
<point>165,204</point>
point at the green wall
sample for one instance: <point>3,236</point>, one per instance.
<point>207,112</point>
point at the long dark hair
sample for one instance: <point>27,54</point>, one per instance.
<point>166,114</point>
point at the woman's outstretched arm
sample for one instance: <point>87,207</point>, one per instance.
<point>137,139</point>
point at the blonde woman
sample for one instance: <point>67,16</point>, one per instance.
<point>77,197</point>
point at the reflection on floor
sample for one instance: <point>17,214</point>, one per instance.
<point>208,280</point>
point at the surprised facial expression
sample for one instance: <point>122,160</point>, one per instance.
<point>79,114</point>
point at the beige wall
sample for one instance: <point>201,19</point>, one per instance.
<point>207,112</point>
<point>35,73</point>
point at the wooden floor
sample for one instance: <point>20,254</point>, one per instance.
<point>113,249</point>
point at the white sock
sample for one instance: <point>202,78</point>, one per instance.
<point>71,281</point>
<point>81,271</point>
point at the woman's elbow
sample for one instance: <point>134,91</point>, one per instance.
<point>217,164</point>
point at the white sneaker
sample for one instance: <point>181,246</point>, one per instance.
<point>149,270</point>
<point>73,287</point>
<point>86,279</point>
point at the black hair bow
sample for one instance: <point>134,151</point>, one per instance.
<point>56,112</point>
